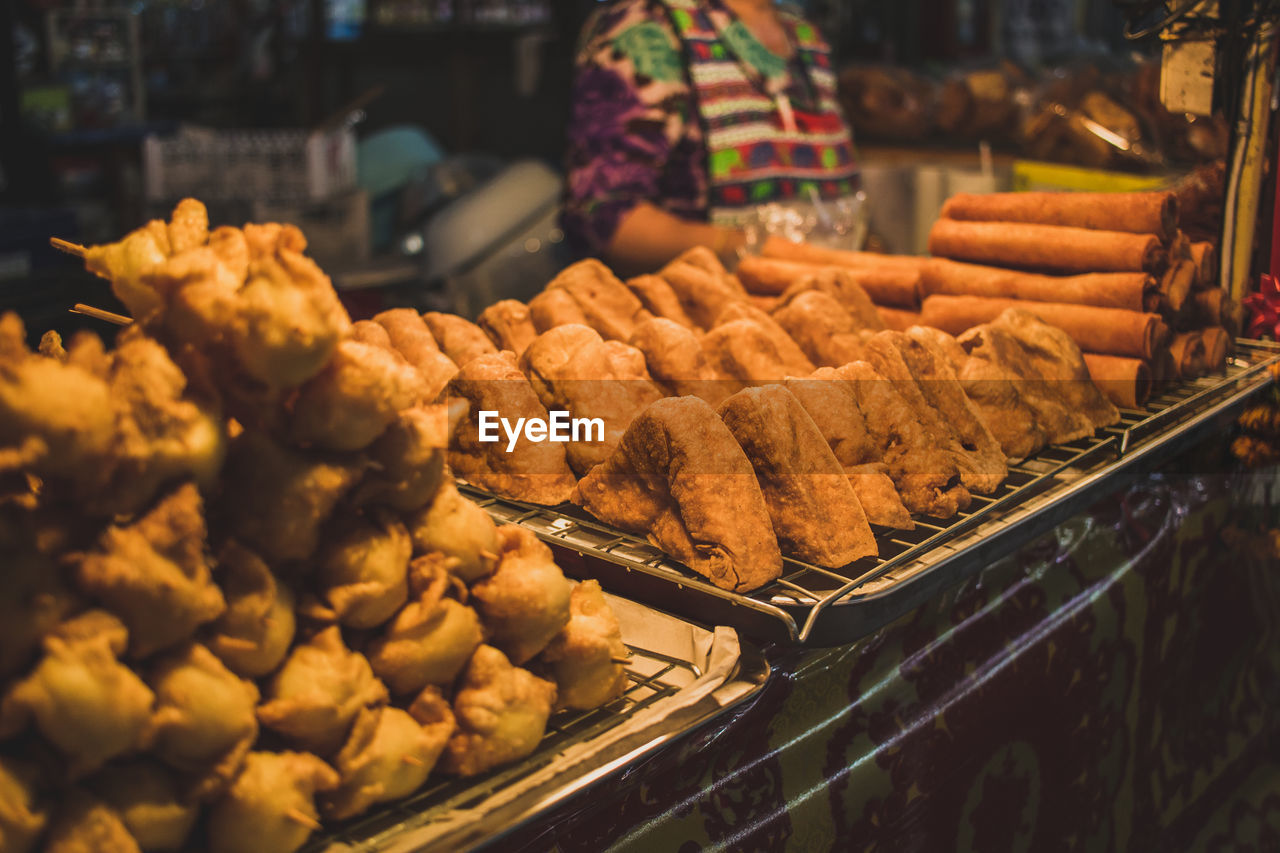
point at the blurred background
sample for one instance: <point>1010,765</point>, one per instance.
<point>418,142</point>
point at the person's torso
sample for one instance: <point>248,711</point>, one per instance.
<point>772,128</point>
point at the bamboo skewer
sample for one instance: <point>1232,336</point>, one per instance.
<point>67,246</point>
<point>305,819</point>
<point>99,314</point>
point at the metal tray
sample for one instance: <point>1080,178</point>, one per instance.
<point>665,670</point>
<point>816,606</point>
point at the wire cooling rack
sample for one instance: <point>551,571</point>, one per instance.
<point>651,676</point>
<point>817,606</point>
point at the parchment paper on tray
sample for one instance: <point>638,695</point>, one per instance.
<point>705,685</point>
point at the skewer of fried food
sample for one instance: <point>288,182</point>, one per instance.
<point>67,246</point>
<point>99,314</point>
<point>303,818</point>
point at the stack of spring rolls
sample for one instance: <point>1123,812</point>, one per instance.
<point>1111,269</point>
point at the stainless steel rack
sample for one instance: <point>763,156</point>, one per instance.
<point>652,676</point>
<point>817,606</point>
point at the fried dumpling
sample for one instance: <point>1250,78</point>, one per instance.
<point>154,573</point>
<point>583,657</point>
<point>145,794</point>
<point>87,703</point>
<point>254,633</point>
<point>355,397</point>
<point>408,460</point>
<point>460,531</point>
<point>525,602</point>
<point>388,756</point>
<point>318,692</point>
<point>271,804</point>
<point>502,713</point>
<point>364,572</point>
<point>431,638</point>
<point>21,819</point>
<point>204,723</point>
<point>276,499</point>
<point>85,824</point>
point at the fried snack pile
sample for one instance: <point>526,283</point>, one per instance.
<point>241,591</point>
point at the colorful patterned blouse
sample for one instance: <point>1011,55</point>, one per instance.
<point>678,104</point>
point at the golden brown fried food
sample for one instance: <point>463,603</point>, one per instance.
<point>275,499</point>
<point>509,325</point>
<point>253,634</point>
<point>605,302</point>
<point>154,573</point>
<point>842,285</point>
<point>573,370</point>
<point>834,409</point>
<point>532,471</point>
<point>371,333</point>
<point>264,239</point>
<point>231,247</point>
<point>21,821</point>
<point>815,512</point>
<point>502,712</point>
<point>357,395</point>
<point>1054,357</point>
<point>144,793</point>
<point>271,805</point>
<point>125,262</point>
<point>583,657</point>
<point>927,478</point>
<point>822,327</point>
<point>460,531</point>
<point>161,436</point>
<point>746,352</point>
<point>51,346</point>
<point>204,723</point>
<point>33,600</point>
<point>408,460</point>
<point>705,259</point>
<point>703,294</point>
<point>927,381</point>
<point>792,356</point>
<point>84,824</point>
<point>459,338</point>
<point>55,419</point>
<point>388,756</point>
<point>994,388</point>
<point>431,638</point>
<point>188,226</point>
<point>318,692</point>
<point>288,319</point>
<point>364,570</point>
<point>525,602</point>
<point>87,703</point>
<point>677,362</point>
<point>552,308</point>
<point>413,340</point>
<point>659,299</point>
<point>679,478</point>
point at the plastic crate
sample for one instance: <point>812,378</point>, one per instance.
<point>234,165</point>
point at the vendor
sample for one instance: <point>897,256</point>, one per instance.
<point>687,115</point>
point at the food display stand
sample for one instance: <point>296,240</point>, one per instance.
<point>1093,670</point>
